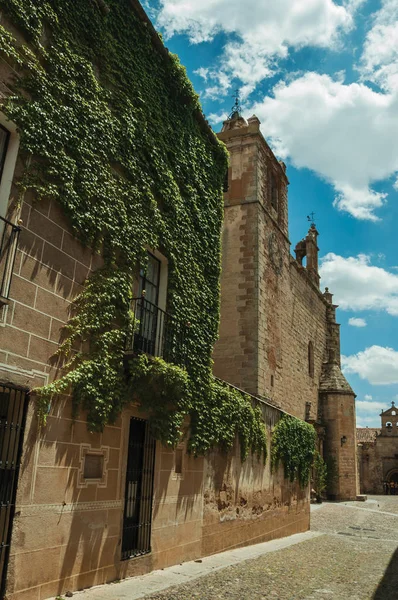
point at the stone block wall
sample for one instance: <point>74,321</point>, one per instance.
<point>246,503</point>
<point>270,308</point>
<point>292,313</point>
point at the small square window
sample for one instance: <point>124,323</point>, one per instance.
<point>93,466</point>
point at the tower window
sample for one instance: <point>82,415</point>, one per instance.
<point>274,191</point>
<point>311,359</point>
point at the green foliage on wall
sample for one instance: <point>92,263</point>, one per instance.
<point>109,129</point>
<point>293,444</point>
<point>320,474</point>
<point>332,474</point>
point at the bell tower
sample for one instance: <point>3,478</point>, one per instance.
<point>255,234</point>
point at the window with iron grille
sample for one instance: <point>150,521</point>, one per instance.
<point>147,311</point>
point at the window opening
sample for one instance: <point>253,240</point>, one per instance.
<point>226,182</point>
<point>149,280</point>
<point>274,192</point>
<point>4,139</point>
<point>147,313</point>
<point>178,462</point>
<point>311,359</point>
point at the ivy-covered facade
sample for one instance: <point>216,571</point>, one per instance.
<point>111,213</point>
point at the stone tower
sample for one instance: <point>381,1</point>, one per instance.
<point>337,410</point>
<point>278,335</point>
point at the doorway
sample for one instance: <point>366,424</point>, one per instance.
<point>137,519</point>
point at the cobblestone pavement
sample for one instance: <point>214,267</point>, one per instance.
<point>355,558</point>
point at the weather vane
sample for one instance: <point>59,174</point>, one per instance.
<point>237,106</point>
<point>311,218</point>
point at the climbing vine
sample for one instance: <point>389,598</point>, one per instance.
<point>109,129</point>
<point>293,444</point>
<point>320,472</point>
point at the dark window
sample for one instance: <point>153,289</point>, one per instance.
<point>150,331</point>
<point>179,453</point>
<point>150,279</point>
<point>311,359</point>
<point>4,138</point>
<point>226,182</point>
<point>274,192</point>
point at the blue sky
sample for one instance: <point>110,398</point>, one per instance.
<point>322,76</point>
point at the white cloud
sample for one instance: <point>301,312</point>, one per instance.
<point>348,134</point>
<point>273,24</point>
<point>379,62</point>
<point>365,407</point>
<point>215,118</point>
<point>377,364</point>
<point>359,285</point>
<point>202,72</point>
<point>260,32</point>
<point>368,397</point>
<point>355,322</point>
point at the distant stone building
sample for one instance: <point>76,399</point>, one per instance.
<point>278,334</point>
<point>378,453</point>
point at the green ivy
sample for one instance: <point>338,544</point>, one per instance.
<point>293,444</point>
<point>320,474</point>
<point>109,129</point>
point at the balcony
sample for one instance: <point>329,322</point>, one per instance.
<point>9,235</point>
<point>157,333</point>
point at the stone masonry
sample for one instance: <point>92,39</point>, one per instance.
<point>378,453</point>
<point>278,333</point>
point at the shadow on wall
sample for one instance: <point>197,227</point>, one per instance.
<point>388,586</point>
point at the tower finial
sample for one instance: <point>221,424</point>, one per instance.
<point>237,108</point>
<point>311,219</point>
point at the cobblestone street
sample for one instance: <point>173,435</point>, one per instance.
<point>351,554</point>
<point>355,558</point>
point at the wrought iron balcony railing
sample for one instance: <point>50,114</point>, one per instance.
<point>157,333</point>
<point>9,235</point>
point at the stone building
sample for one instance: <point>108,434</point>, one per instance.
<point>69,515</point>
<point>278,333</point>
<point>378,453</point>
